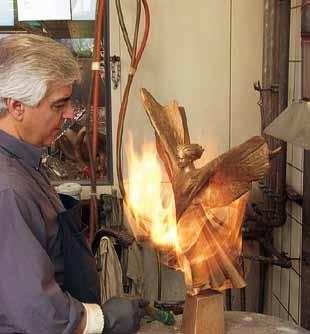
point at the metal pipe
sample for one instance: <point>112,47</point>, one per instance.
<point>275,98</point>
<point>284,42</point>
<point>96,69</point>
<point>281,262</point>
<point>305,272</point>
<point>95,98</point>
<point>107,85</point>
<point>228,300</point>
<point>243,299</point>
<point>243,291</point>
<point>159,275</point>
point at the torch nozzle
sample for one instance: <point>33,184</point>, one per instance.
<point>166,317</point>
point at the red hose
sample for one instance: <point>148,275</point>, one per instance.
<point>98,38</point>
<point>134,63</point>
<point>146,32</point>
<point>93,218</point>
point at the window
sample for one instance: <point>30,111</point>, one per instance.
<point>67,158</point>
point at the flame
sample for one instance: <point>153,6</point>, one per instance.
<point>204,243</point>
<point>150,200</point>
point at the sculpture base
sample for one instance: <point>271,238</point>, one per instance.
<point>203,313</point>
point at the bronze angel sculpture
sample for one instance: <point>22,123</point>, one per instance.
<point>209,201</point>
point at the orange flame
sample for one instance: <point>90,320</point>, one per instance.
<point>150,200</point>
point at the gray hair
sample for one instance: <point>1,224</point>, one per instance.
<point>31,66</point>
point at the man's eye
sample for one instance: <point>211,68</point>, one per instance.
<point>58,106</point>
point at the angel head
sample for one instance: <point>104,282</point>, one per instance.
<point>187,154</point>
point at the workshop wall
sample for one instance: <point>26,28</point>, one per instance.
<point>206,55</point>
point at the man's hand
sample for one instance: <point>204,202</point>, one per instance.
<point>122,315</point>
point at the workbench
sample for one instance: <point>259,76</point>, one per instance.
<point>235,323</point>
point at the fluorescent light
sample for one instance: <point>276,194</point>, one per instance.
<point>7,13</point>
<point>33,10</point>
<point>83,9</point>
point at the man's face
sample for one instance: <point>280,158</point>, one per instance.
<point>41,124</point>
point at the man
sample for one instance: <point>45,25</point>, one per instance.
<point>36,80</point>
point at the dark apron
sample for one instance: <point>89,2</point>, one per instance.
<point>81,278</point>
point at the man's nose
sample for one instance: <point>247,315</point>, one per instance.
<point>68,113</point>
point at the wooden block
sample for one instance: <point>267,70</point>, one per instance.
<point>204,313</point>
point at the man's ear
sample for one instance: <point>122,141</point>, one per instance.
<point>15,108</point>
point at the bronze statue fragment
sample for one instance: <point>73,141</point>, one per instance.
<point>210,201</point>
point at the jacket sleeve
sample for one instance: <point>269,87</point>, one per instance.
<point>30,298</point>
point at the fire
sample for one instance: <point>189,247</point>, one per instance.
<point>150,200</point>
<point>205,243</point>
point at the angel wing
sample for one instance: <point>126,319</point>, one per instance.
<point>234,172</point>
<point>224,179</point>
<point>170,125</point>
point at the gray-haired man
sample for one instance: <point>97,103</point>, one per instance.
<point>48,280</point>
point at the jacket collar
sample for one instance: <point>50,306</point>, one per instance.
<point>29,153</point>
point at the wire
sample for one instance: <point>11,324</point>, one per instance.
<point>123,26</point>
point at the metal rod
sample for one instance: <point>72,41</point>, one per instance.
<point>305,272</point>
<point>228,300</point>
<point>159,276</point>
